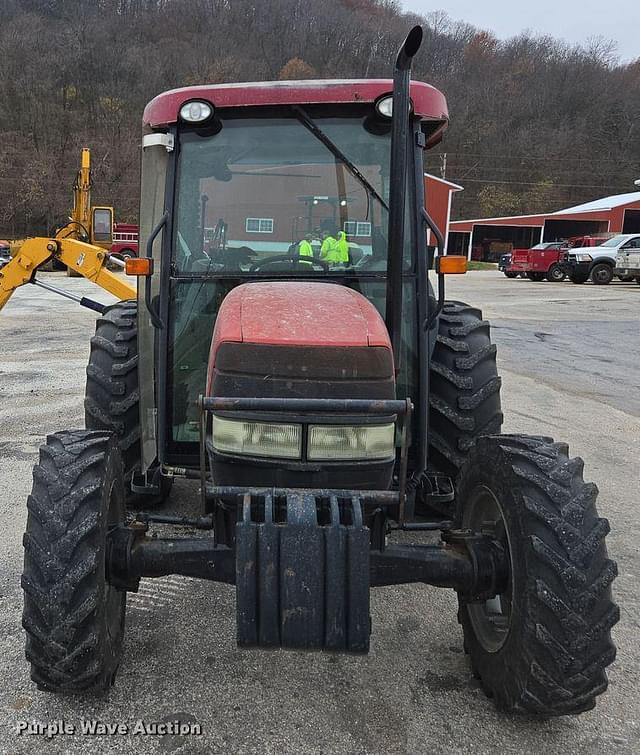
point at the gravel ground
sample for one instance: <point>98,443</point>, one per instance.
<point>569,360</point>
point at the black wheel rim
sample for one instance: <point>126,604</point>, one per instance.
<point>602,275</point>
<point>491,619</point>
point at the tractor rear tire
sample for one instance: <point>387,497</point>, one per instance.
<point>464,400</point>
<point>73,618</point>
<point>542,647</point>
<point>112,396</point>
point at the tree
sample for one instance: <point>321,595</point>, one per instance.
<point>295,69</point>
<point>536,124</point>
<point>495,201</point>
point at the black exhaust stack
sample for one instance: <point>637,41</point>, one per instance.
<point>398,184</point>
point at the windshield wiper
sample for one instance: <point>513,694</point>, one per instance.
<point>337,153</point>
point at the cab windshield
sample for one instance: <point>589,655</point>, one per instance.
<point>615,241</point>
<point>266,195</point>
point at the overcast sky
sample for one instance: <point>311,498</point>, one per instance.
<point>573,20</point>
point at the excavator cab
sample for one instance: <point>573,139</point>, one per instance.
<point>102,226</point>
<point>340,419</point>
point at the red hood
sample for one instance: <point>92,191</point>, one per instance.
<point>297,314</point>
<point>305,314</point>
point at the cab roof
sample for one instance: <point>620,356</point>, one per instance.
<point>428,102</point>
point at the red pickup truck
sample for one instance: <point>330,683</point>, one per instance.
<point>544,260</point>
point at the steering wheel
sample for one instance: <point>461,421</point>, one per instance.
<point>296,261</point>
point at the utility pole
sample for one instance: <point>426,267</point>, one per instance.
<point>443,165</point>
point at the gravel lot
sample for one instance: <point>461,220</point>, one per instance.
<point>569,359</point>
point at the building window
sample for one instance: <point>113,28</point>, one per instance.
<point>259,225</point>
<point>357,228</point>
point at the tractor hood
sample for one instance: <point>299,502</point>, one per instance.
<point>298,314</point>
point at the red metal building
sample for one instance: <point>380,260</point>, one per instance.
<point>486,238</point>
<point>438,196</point>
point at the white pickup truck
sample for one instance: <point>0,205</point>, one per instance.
<point>599,263</point>
<point>628,260</point>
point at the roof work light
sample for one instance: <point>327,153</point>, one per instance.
<point>196,111</point>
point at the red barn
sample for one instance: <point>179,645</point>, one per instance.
<point>486,238</point>
<point>438,195</point>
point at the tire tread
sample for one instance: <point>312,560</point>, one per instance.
<point>464,400</point>
<point>112,397</point>
<point>63,578</point>
<point>566,642</point>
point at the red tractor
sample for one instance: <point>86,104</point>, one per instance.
<point>341,418</point>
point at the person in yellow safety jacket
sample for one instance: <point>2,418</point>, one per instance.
<point>343,248</point>
<point>305,250</point>
<point>304,247</point>
<point>329,249</point>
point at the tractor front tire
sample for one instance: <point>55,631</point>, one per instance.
<point>74,619</point>
<point>464,395</point>
<point>541,647</point>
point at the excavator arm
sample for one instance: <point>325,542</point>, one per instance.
<point>89,261</point>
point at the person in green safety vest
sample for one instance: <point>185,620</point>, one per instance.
<point>343,248</point>
<point>329,249</point>
<point>304,247</point>
<point>305,250</point>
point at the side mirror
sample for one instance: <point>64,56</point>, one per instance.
<point>102,225</point>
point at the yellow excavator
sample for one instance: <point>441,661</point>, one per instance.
<point>82,245</point>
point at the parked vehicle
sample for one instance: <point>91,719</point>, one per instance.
<point>628,261</point>
<point>275,384</point>
<point>5,254</point>
<point>125,240</point>
<point>539,262</point>
<point>582,263</point>
<point>503,265</point>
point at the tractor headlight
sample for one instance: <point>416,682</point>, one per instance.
<point>268,439</point>
<point>350,442</point>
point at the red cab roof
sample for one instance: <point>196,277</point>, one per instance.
<point>428,103</point>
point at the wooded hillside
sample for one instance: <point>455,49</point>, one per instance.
<point>535,123</point>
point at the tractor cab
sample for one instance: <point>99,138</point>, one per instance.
<point>273,181</point>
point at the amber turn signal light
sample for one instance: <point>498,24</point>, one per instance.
<point>139,266</point>
<point>451,264</point>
